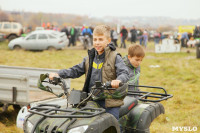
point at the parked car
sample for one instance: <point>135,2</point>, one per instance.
<point>40,40</point>
<point>12,30</point>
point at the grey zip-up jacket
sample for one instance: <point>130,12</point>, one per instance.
<point>133,74</point>
<point>96,75</point>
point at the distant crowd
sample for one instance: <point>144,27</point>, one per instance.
<point>189,39</point>
<point>123,34</point>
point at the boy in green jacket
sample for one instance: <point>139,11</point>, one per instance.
<point>133,60</point>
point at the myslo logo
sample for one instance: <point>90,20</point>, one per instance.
<point>184,128</point>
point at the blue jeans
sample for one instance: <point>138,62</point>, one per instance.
<point>114,111</point>
<point>123,42</point>
<point>141,40</point>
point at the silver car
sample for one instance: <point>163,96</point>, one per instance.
<point>40,40</point>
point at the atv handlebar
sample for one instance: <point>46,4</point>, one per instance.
<point>107,85</point>
<point>56,81</point>
<point>59,81</point>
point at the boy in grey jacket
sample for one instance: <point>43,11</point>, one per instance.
<point>132,60</point>
<point>102,64</point>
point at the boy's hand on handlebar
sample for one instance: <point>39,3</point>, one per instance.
<point>115,83</point>
<point>51,75</point>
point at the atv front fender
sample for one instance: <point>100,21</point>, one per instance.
<point>106,123</point>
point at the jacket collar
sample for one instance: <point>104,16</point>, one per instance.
<point>109,47</point>
<point>127,62</point>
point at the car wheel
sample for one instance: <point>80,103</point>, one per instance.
<point>17,47</point>
<point>11,37</point>
<point>51,48</point>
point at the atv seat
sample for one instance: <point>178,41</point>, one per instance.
<point>129,103</point>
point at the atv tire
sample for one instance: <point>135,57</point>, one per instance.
<point>16,108</point>
<point>5,107</point>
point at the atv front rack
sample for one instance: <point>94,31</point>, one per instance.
<point>155,97</point>
<point>50,110</point>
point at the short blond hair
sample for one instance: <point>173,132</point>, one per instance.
<point>136,50</point>
<point>102,30</point>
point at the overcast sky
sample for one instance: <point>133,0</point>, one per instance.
<point>188,9</point>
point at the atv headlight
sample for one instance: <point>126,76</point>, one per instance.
<point>80,129</point>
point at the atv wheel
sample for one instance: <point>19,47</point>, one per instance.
<point>110,130</point>
<point>1,104</point>
<point>16,108</point>
<point>5,107</point>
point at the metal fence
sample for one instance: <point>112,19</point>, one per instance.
<point>17,82</point>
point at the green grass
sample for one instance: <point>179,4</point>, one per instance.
<point>178,72</point>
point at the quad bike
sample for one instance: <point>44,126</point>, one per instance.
<point>136,114</point>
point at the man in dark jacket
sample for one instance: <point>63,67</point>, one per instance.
<point>65,30</point>
<point>133,32</point>
<point>124,35</point>
<point>197,32</point>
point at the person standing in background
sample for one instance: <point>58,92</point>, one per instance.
<point>156,37</point>
<point>184,39</point>
<point>133,32</point>
<point>72,36</point>
<point>145,38</point>
<point>197,32</point>
<point>141,36</point>
<point>66,31</point>
<point>114,36</point>
<point>124,34</point>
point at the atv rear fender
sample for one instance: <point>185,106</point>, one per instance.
<point>141,116</point>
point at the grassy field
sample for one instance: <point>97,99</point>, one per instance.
<point>177,72</point>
